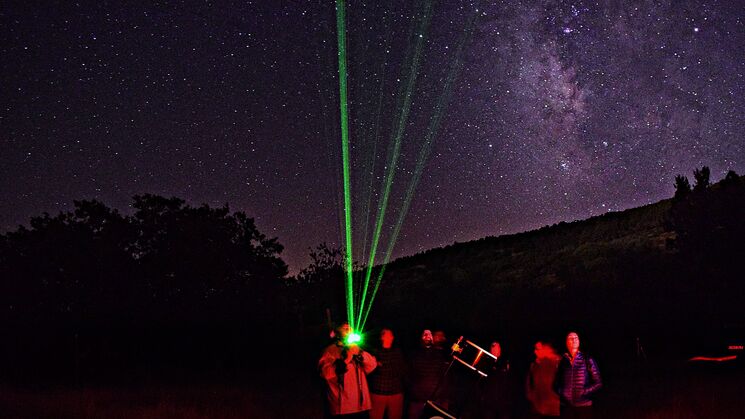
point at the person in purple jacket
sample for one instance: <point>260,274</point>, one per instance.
<point>577,380</point>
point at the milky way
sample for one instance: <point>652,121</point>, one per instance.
<point>561,110</point>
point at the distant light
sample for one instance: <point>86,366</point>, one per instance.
<point>568,30</point>
<point>695,29</point>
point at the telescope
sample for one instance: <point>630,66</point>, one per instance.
<point>469,366</point>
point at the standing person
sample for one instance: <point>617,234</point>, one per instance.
<point>539,385</point>
<point>577,379</point>
<point>496,395</point>
<point>387,381</point>
<point>440,340</point>
<point>427,367</point>
<point>345,368</point>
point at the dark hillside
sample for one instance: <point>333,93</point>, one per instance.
<point>644,271</point>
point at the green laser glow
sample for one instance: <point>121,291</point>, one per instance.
<point>424,152</point>
<point>344,112</point>
<point>388,181</point>
<point>354,338</point>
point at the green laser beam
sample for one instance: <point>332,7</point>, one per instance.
<point>403,118</point>
<point>370,166</point>
<point>344,114</point>
<point>424,153</point>
<point>372,158</point>
<point>330,134</point>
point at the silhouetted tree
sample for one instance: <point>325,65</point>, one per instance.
<point>682,187</point>
<point>205,257</point>
<point>69,267</point>
<point>319,286</point>
<point>709,230</point>
<point>731,178</point>
<point>93,264</point>
<point>702,179</point>
<point>325,263</point>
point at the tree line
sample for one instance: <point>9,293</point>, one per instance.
<point>167,262</point>
<point>172,266</point>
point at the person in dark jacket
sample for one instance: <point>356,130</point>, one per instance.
<point>577,380</point>
<point>427,367</point>
<point>496,394</point>
<point>387,381</point>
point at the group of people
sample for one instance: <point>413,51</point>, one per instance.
<point>562,385</point>
<point>381,383</point>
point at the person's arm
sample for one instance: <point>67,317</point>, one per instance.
<point>594,373</point>
<point>368,362</point>
<point>326,366</point>
<point>559,378</point>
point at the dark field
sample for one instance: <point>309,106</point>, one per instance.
<point>653,390</point>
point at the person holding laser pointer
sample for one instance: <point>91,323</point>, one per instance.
<point>344,366</point>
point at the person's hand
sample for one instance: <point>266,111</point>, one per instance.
<point>456,348</point>
<point>352,350</point>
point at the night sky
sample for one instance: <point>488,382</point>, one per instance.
<point>561,110</point>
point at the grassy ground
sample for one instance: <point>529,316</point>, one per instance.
<point>672,391</point>
<point>675,391</point>
<point>263,397</point>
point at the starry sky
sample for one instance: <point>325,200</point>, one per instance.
<point>561,110</point>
